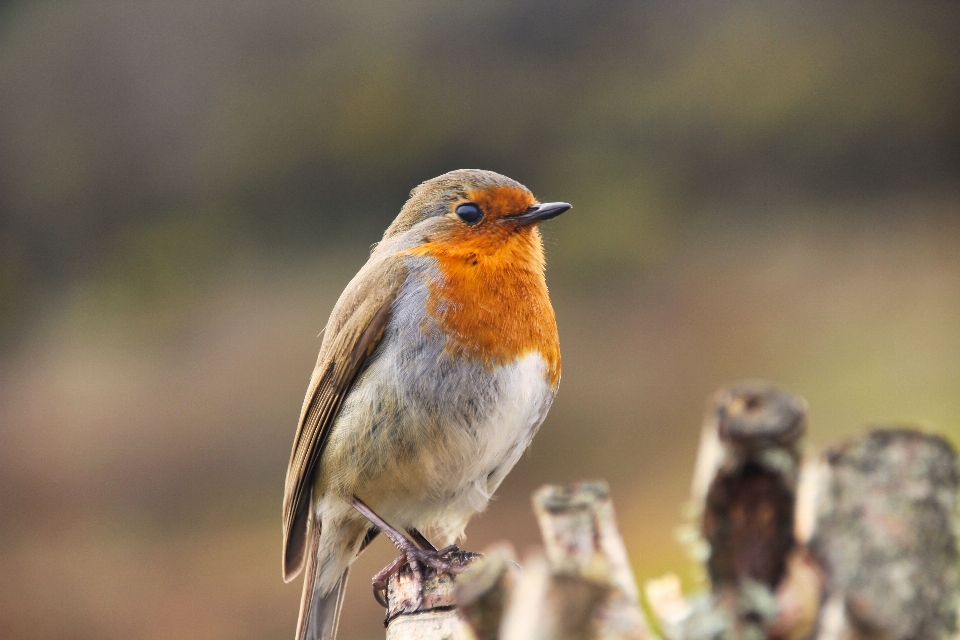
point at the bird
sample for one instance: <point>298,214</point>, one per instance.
<point>438,364</point>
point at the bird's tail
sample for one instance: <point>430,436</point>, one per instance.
<point>319,621</point>
<point>319,612</point>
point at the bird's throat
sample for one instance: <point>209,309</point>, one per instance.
<point>490,299</point>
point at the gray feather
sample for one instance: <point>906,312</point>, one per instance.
<point>323,614</point>
<point>319,612</point>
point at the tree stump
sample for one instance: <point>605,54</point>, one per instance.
<point>886,537</point>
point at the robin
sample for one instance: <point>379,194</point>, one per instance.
<point>438,364</point>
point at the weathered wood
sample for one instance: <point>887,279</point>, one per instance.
<point>868,530</point>
<point>584,588</point>
<point>483,591</point>
<point>752,612</point>
<point>749,503</point>
<point>586,556</point>
<point>546,606</point>
<point>432,617</point>
<point>529,614</point>
<point>743,500</point>
<point>886,537</point>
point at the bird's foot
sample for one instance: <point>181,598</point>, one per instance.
<point>410,553</point>
<point>417,558</point>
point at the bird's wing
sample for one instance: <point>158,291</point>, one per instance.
<point>355,327</point>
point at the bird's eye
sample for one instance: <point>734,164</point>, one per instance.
<point>469,213</point>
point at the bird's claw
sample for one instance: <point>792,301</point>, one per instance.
<point>417,559</point>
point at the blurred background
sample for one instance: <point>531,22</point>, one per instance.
<point>761,190</point>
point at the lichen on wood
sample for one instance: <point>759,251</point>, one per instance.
<point>742,505</point>
<point>859,543</point>
<point>886,536</point>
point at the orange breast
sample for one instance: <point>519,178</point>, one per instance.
<point>491,301</point>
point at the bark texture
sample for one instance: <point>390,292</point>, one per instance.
<point>429,614</point>
<point>886,537</point>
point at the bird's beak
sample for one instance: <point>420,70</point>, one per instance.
<point>538,213</point>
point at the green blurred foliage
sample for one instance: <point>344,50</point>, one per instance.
<point>151,277</point>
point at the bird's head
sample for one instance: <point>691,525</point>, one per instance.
<point>473,212</point>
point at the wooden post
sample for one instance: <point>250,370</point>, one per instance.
<point>591,588</point>
<point>582,588</point>
<point>743,495</point>
<point>749,504</point>
<point>869,530</point>
<point>485,588</point>
<point>886,537</point>
<point>436,616</point>
<point>550,607</point>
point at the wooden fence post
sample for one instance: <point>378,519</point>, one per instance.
<point>743,496</point>
<point>581,588</point>
<point>886,537</point>
<point>868,530</point>
<point>484,590</point>
<point>586,586</point>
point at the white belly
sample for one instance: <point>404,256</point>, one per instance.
<point>425,438</point>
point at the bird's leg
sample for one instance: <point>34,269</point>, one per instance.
<point>410,553</point>
<point>421,540</point>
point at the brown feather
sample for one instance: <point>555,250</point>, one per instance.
<point>355,327</point>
